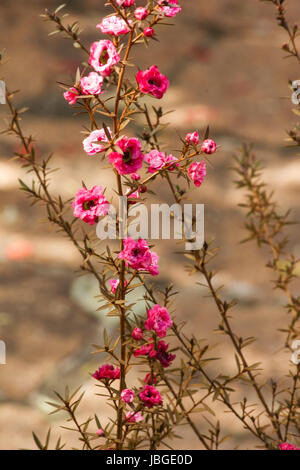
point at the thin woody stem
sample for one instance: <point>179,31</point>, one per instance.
<point>122,292</point>
<point>232,336</point>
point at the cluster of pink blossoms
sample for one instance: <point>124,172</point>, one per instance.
<point>138,256</point>
<point>89,204</point>
<point>92,143</point>
<point>158,160</point>
<point>208,146</point>
<point>131,158</point>
<point>152,82</point>
<point>287,446</point>
<point>103,56</point>
<point>150,396</point>
<point>158,320</point>
<point>160,353</point>
<point>107,371</point>
<point>197,170</point>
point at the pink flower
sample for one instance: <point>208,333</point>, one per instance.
<point>157,160</point>
<point>100,432</point>
<point>152,82</point>
<point>138,255</point>
<point>192,137</point>
<point>161,354</point>
<point>90,204</point>
<point>125,3</point>
<point>107,371</point>
<point>150,396</point>
<point>141,13</point>
<point>137,334</point>
<point>127,395</point>
<point>158,320</point>
<point>197,172</point>
<point>209,146</point>
<point>148,32</point>
<point>144,350</point>
<point>114,284</point>
<point>71,95</point>
<point>90,144</point>
<point>134,195</point>
<point>135,176</point>
<point>169,8</point>
<point>114,25</point>
<point>91,85</point>
<point>103,56</point>
<point>131,158</point>
<point>287,446</point>
<point>150,379</point>
<point>134,417</point>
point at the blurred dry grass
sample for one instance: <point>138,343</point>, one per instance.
<point>224,63</point>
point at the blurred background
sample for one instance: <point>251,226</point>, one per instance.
<point>225,67</point>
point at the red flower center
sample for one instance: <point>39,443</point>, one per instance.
<point>87,205</point>
<point>127,157</point>
<point>155,81</point>
<point>104,57</point>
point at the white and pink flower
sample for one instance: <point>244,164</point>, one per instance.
<point>127,395</point>
<point>209,146</point>
<point>90,204</point>
<point>114,25</point>
<point>141,13</point>
<point>125,3</point>
<point>197,172</point>
<point>158,160</point>
<point>134,417</point>
<point>71,95</point>
<point>92,143</point>
<point>92,84</point>
<point>103,56</point>
<point>192,137</point>
<point>114,283</point>
<point>169,8</point>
